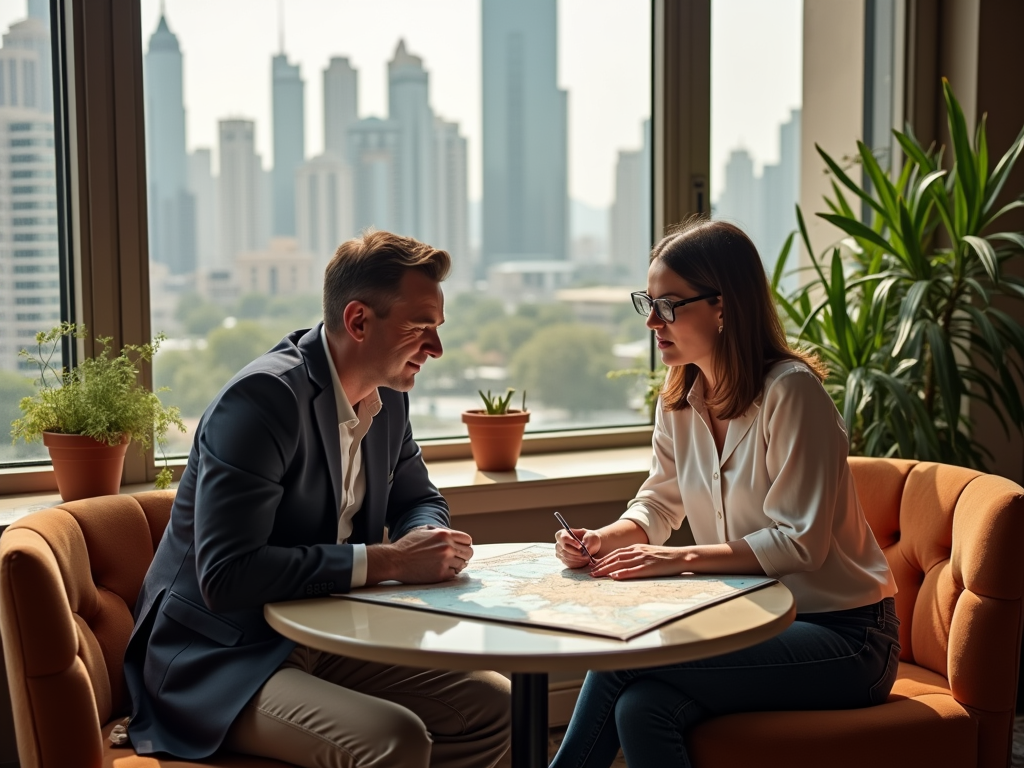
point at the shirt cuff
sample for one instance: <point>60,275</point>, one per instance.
<point>358,566</point>
<point>762,544</point>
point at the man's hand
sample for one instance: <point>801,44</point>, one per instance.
<point>568,550</point>
<point>424,555</point>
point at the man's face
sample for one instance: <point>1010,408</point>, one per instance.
<point>400,343</point>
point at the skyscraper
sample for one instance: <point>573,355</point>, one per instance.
<point>29,260</point>
<point>781,192</point>
<point>626,234</point>
<point>172,237</point>
<point>741,200</point>
<point>409,109</point>
<point>341,105</point>
<point>203,186</point>
<point>373,147</point>
<point>765,206</point>
<point>324,206</point>
<point>525,165</point>
<point>238,192</point>
<point>451,200</point>
<point>630,220</point>
<point>287,92</point>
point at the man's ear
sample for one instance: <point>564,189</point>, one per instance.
<point>355,318</point>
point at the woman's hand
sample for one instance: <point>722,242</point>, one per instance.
<point>639,561</point>
<point>568,550</point>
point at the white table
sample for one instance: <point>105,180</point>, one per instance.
<point>394,635</point>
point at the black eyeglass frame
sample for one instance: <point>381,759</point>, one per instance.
<point>668,305</point>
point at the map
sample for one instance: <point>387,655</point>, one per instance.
<point>531,586</point>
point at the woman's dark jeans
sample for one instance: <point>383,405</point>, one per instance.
<point>835,660</point>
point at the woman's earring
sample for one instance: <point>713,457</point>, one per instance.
<point>720,328</point>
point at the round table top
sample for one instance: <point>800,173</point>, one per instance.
<point>417,638</point>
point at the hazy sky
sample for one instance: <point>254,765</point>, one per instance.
<point>604,62</point>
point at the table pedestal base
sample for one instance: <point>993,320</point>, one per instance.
<point>529,720</point>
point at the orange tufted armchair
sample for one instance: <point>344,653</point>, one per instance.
<point>954,539</point>
<point>69,578</point>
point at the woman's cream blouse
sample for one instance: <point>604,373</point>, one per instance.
<point>782,484</point>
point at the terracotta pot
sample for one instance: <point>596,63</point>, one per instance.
<point>85,467</point>
<point>496,440</point>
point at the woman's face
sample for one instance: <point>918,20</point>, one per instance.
<point>692,336</point>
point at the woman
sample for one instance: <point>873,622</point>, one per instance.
<point>750,449</point>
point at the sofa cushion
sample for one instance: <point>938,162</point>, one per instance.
<point>929,729</point>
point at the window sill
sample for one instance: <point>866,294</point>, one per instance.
<point>546,479</point>
<point>543,480</point>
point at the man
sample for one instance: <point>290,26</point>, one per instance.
<point>297,467</point>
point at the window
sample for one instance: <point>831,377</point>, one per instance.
<point>112,294</point>
<point>26,121</point>
<point>756,97</point>
<point>524,150</point>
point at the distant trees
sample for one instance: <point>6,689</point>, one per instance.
<point>539,347</point>
<point>13,387</point>
<point>565,366</point>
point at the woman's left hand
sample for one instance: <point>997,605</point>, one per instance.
<point>639,561</point>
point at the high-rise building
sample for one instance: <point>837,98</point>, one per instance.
<point>409,108</point>
<point>780,186</point>
<point>203,186</point>
<point>525,164</point>
<point>626,236</point>
<point>765,206</point>
<point>29,259</point>
<point>451,201</point>
<point>373,147</point>
<point>630,221</point>
<point>239,192</point>
<point>741,199</point>
<point>172,235</point>
<point>323,206</point>
<point>287,93</point>
<point>341,105</point>
<point>33,34</point>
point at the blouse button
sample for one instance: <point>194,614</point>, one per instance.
<point>715,475</point>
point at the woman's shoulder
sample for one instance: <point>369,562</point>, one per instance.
<point>791,376</point>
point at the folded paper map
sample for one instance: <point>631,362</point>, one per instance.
<point>531,586</point>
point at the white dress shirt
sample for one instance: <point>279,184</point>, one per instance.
<point>782,484</point>
<point>353,424</point>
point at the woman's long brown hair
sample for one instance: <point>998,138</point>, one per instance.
<point>718,257</point>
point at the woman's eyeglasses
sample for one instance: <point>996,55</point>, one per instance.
<point>664,308</point>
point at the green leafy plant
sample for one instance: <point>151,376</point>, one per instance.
<point>498,405</point>
<point>101,397</point>
<point>906,311</point>
<point>653,382</point>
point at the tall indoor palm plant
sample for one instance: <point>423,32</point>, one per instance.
<point>906,312</point>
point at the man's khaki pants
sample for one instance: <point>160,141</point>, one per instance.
<point>325,711</point>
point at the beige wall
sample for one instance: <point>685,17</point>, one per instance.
<point>975,45</point>
<point>994,43</point>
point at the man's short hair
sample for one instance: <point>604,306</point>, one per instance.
<point>369,268</point>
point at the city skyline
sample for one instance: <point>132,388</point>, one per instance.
<point>430,30</point>
<point>756,63</point>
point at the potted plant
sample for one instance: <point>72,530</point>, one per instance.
<point>496,432</point>
<point>909,313</point>
<point>86,416</point>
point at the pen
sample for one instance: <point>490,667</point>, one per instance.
<point>561,521</point>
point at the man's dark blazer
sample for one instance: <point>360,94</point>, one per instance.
<point>255,520</point>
